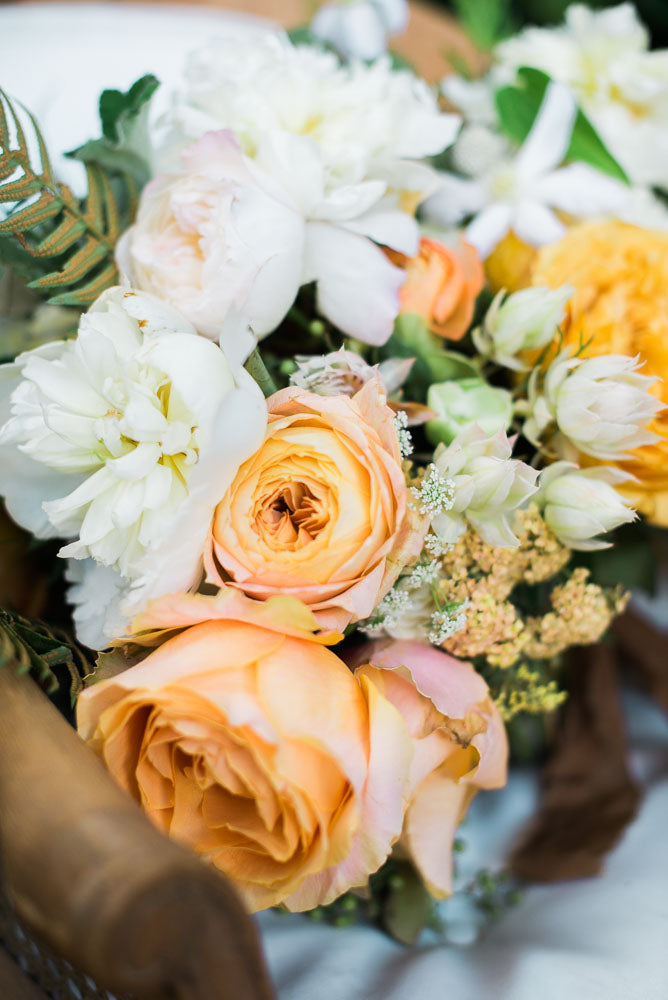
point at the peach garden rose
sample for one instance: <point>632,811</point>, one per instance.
<point>246,739</point>
<point>321,511</point>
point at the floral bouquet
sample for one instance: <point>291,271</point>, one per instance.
<point>340,387</point>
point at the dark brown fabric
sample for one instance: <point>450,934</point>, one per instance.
<point>588,795</point>
<point>645,649</point>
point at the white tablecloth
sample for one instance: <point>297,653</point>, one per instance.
<point>598,939</point>
<point>594,939</point>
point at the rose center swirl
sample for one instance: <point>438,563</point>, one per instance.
<point>291,516</point>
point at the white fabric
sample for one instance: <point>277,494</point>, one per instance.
<point>593,939</point>
<point>598,939</point>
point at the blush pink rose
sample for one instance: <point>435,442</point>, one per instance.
<point>321,511</point>
<point>458,738</point>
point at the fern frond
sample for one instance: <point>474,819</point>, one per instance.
<point>72,242</point>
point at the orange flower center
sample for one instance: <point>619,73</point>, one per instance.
<point>290,516</point>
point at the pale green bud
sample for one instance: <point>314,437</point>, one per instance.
<point>466,402</point>
<point>524,321</point>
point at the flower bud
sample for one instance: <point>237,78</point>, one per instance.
<point>579,504</point>
<point>475,480</point>
<point>462,403</point>
<point>525,321</point>
<point>601,405</point>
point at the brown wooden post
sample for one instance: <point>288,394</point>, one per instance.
<point>93,878</point>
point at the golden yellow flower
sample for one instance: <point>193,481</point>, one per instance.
<point>620,306</point>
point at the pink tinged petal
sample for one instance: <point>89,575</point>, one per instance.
<point>432,819</point>
<point>357,286</point>
<point>545,146</point>
<point>492,745</point>
<point>452,685</point>
<point>382,805</point>
<point>489,227</point>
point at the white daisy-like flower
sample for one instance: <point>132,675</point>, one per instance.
<point>604,57</point>
<point>124,439</point>
<point>347,145</point>
<point>524,190</point>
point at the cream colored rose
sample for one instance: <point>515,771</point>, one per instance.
<point>321,510</point>
<point>219,240</point>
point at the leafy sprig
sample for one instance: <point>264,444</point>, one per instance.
<point>64,247</point>
<point>31,647</point>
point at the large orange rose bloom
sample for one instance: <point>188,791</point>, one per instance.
<point>321,511</point>
<point>620,306</point>
<point>247,740</point>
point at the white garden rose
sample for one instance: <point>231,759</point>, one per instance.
<point>123,441</point>
<point>218,239</point>
<point>600,406</point>
<point>346,144</point>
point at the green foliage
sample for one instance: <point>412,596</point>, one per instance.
<point>65,249</point>
<point>412,339</point>
<point>122,148</point>
<point>31,647</point>
<point>485,21</point>
<point>519,105</point>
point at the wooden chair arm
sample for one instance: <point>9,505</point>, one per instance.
<point>94,879</point>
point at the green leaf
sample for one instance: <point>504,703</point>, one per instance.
<point>113,158</point>
<point>124,146</point>
<point>412,339</point>
<point>118,109</point>
<point>407,907</point>
<point>518,106</point>
<point>485,21</point>
<point>30,646</point>
<point>71,243</point>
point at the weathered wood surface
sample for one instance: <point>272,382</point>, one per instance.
<point>91,876</point>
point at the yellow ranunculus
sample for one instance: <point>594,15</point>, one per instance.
<point>620,306</point>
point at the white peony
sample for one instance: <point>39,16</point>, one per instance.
<point>604,57</point>
<point>579,504</point>
<point>600,406</point>
<point>346,144</point>
<point>123,440</point>
<point>216,239</point>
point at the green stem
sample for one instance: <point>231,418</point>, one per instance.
<point>257,369</point>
